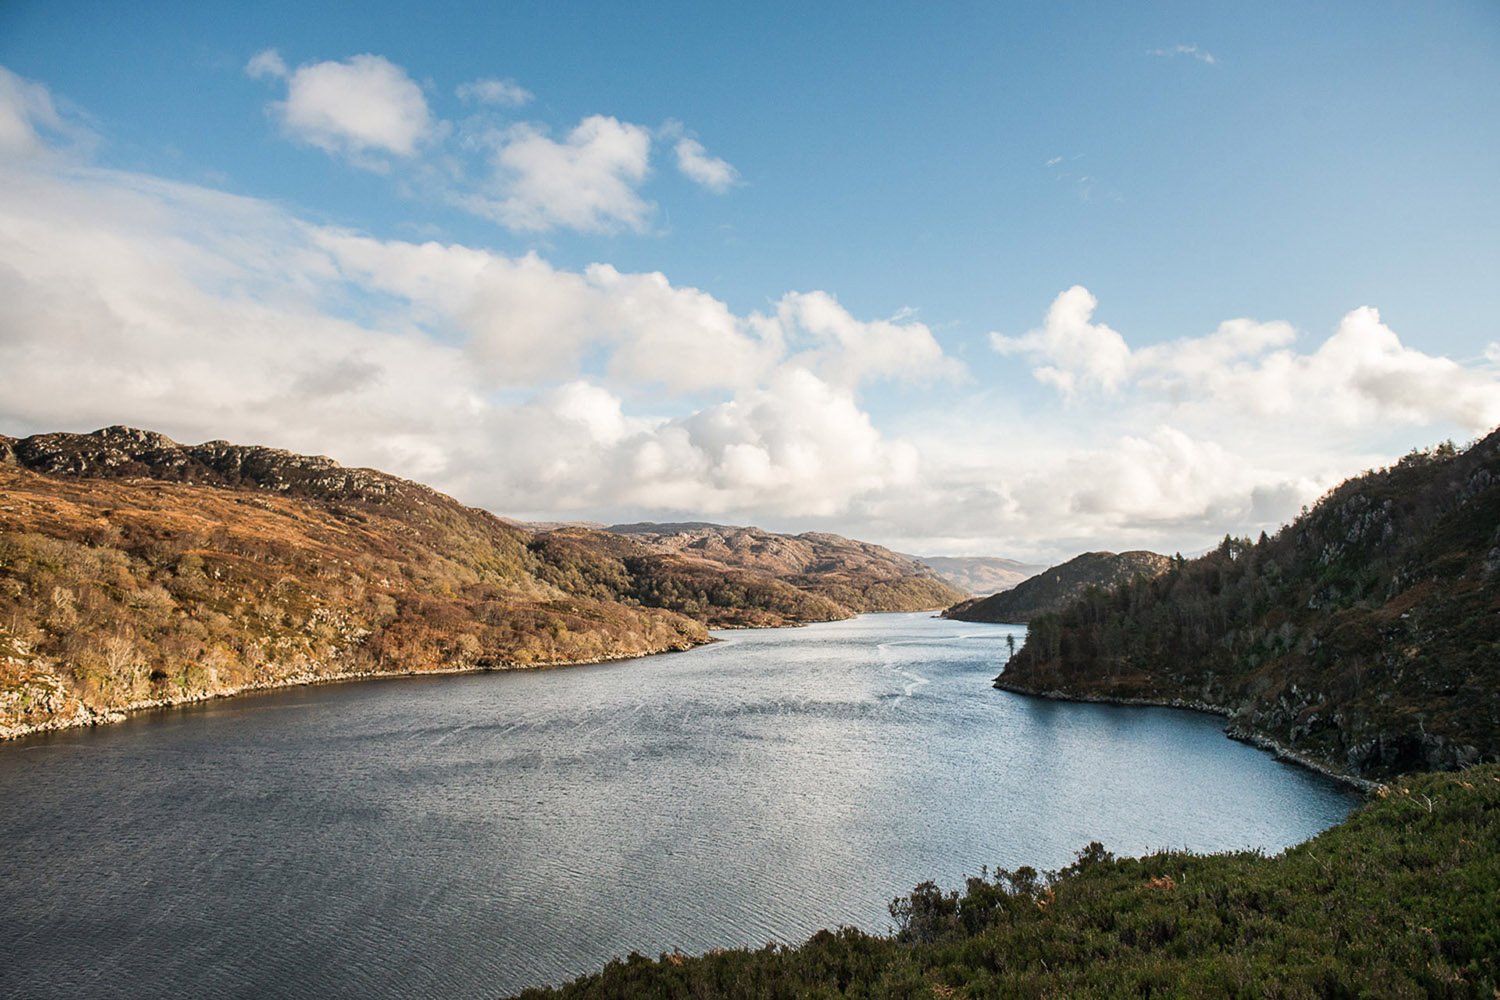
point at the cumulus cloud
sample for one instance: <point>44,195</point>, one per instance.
<point>711,172</point>
<point>534,389</point>
<point>505,93</point>
<point>1079,353</point>
<point>368,110</point>
<point>517,384</point>
<point>524,320</point>
<point>848,351</point>
<point>588,181</point>
<point>1359,375</point>
<point>357,107</point>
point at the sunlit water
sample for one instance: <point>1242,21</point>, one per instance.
<point>470,836</point>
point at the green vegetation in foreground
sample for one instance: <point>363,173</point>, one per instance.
<point>1400,900</point>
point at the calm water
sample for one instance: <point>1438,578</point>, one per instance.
<point>470,836</point>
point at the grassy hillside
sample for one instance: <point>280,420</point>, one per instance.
<point>1366,634</point>
<point>136,571</point>
<point>1057,587</point>
<point>1400,900</point>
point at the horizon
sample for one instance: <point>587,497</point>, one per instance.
<point>1007,282</point>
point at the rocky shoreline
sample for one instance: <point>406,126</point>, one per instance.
<point>80,715</point>
<point>1239,733</point>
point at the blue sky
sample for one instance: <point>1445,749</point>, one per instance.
<point>1019,279</point>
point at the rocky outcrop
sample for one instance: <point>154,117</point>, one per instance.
<point>129,453</point>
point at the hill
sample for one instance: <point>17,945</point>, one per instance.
<point>1399,900</point>
<point>859,576</point>
<point>1365,635</point>
<point>980,575</point>
<point>135,571</point>
<point>1059,586</point>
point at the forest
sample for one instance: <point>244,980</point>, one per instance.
<point>1365,634</point>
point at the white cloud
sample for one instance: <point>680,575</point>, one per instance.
<point>1186,50</point>
<point>266,63</point>
<point>369,110</point>
<point>506,93</point>
<point>361,106</point>
<point>848,351</point>
<point>1080,353</point>
<point>534,389</point>
<point>1361,374</point>
<point>30,125</point>
<point>524,320</point>
<point>204,315</point>
<point>711,172</point>
<point>589,181</point>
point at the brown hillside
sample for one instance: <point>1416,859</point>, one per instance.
<point>859,576</point>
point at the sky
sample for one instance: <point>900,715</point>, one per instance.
<point>1010,279</point>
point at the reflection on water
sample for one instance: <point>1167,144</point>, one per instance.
<point>469,836</point>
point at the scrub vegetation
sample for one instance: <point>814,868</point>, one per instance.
<point>135,572</point>
<point>1400,900</point>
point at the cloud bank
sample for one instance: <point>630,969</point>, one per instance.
<point>542,391</point>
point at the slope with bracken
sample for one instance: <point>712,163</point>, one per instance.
<point>1365,635</point>
<point>135,571</point>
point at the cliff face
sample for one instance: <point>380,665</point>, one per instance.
<point>1056,588</point>
<point>1366,634</point>
<point>137,571</point>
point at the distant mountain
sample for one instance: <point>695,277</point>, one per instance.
<point>136,571</point>
<point>857,576</point>
<point>1365,635</point>
<point>1059,586</point>
<point>981,575</point>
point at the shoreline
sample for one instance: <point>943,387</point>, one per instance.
<point>86,717</point>
<point>1239,734</point>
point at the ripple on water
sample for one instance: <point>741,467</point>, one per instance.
<point>474,835</point>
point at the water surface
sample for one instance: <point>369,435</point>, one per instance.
<point>470,836</point>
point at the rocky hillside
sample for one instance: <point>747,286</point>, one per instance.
<point>1060,586</point>
<point>1364,635</point>
<point>857,576</point>
<point>980,575</point>
<point>135,571</point>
